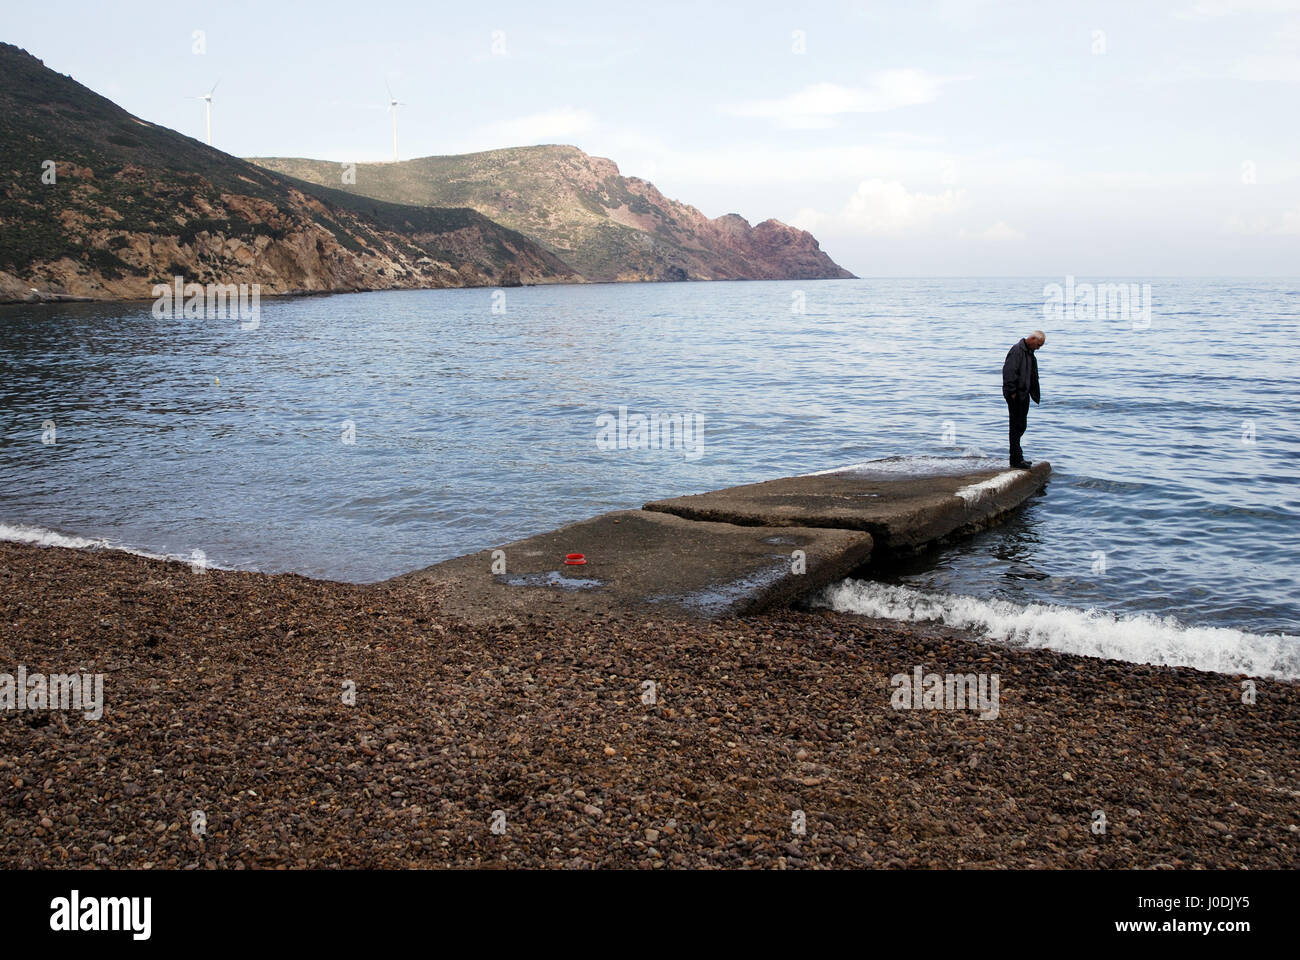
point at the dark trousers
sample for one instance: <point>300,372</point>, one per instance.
<point>1018,414</point>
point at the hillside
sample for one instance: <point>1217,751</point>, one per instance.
<point>134,203</point>
<point>607,226</point>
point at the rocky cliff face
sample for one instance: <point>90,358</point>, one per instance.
<point>604,225</point>
<point>97,203</point>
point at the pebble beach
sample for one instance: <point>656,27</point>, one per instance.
<point>258,721</point>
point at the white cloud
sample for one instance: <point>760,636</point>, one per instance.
<point>884,207</point>
<point>753,164</point>
<point>817,106</point>
<point>1263,225</point>
<point>808,219</point>
<point>1001,231</point>
<point>553,126</point>
<point>1214,9</point>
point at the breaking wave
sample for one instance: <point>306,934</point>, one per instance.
<point>969,460</point>
<point>41,537</point>
<point>1138,638</point>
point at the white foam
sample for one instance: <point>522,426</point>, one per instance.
<point>977,491</point>
<point>1093,633</point>
<point>968,461</point>
<point>41,537</point>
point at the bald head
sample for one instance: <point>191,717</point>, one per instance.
<point>1035,340</point>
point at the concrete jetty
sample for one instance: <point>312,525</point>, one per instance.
<point>903,514</point>
<point>730,552</point>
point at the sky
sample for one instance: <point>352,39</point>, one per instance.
<point>929,138</point>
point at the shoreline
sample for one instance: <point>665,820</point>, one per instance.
<point>56,299</point>
<point>804,604</point>
<point>222,694</point>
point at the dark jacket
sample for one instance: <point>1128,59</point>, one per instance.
<point>1020,372</point>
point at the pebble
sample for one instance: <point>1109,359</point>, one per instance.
<point>223,695</point>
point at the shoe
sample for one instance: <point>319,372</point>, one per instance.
<point>1022,465</point>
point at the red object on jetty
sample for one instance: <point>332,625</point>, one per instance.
<point>574,559</point>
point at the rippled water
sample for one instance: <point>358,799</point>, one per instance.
<point>474,428</point>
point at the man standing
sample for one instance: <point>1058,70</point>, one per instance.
<point>1019,386</point>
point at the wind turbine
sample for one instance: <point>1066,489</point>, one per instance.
<point>393,104</point>
<point>207,100</point>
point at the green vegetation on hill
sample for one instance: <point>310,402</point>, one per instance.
<point>135,202</point>
<point>121,178</point>
<point>607,226</point>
